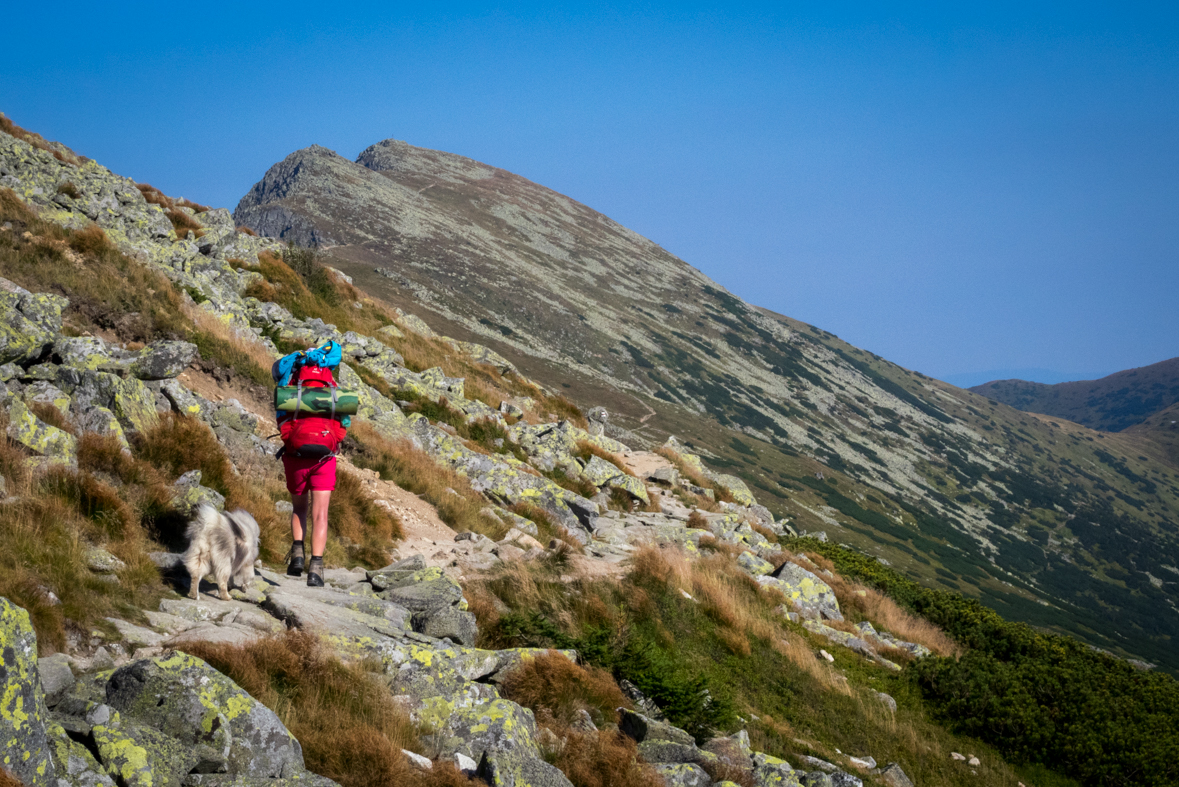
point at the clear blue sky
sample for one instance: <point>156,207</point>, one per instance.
<point>955,189</point>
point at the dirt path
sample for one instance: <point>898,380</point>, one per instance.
<point>424,531</point>
<point>643,463</point>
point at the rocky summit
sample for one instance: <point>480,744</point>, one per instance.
<point>636,582</point>
<point>1028,513</point>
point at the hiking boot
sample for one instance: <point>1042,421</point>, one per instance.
<point>296,564</point>
<point>315,573</point>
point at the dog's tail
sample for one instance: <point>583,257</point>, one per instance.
<point>239,522</point>
<point>206,515</point>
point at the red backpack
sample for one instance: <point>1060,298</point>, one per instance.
<point>311,436</point>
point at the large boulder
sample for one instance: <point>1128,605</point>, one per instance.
<point>810,596</point>
<point>163,360</point>
<point>683,775</point>
<point>29,322</point>
<point>769,771</point>
<point>24,741</point>
<point>56,445</point>
<point>183,697</point>
<point>139,756</point>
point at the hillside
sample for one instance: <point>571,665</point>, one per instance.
<point>1054,524</point>
<point>562,609</point>
<point>134,388</point>
<point>1111,404</point>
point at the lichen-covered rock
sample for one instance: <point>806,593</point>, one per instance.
<point>139,756</point>
<point>300,779</point>
<point>101,421</point>
<point>29,322</point>
<point>163,360</point>
<point>810,596</point>
<point>894,776</point>
<point>754,565</point>
<point>505,769</point>
<point>84,352</point>
<point>74,763</point>
<point>456,625</point>
<point>43,392</point>
<point>182,696</point>
<point>816,779</point>
<point>736,486</point>
<point>132,402</point>
<point>56,445</point>
<point>683,775</point>
<point>599,472</point>
<point>427,595</point>
<point>24,741</point>
<point>769,771</point>
<point>188,495</point>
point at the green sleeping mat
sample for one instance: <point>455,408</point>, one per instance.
<point>315,401</point>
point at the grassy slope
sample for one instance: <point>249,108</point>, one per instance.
<point>1094,578</point>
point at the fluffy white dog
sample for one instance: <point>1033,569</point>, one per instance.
<point>224,545</point>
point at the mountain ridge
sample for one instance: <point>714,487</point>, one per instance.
<point>1112,403</point>
<point>949,485</point>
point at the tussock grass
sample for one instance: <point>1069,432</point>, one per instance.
<point>46,532</point>
<point>349,726</point>
<point>8,780</point>
<point>555,689</point>
<point>450,493</point>
<point>553,683</point>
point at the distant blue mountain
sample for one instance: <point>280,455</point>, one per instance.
<point>1047,376</point>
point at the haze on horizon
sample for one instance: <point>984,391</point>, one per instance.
<point>957,190</point>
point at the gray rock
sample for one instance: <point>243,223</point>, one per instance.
<point>817,779</point>
<point>643,728</point>
<point>685,775</point>
<point>657,751</point>
<point>887,700</point>
<point>29,322</point>
<point>56,676</point>
<point>508,769</point>
<point>163,360</point>
<point>100,561</point>
<point>843,779</point>
<point>640,700</point>
<point>141,755</point>
<point>189,495</point>
<point>329,612</point>
<point>136,636</point>
<point>184,697</point>
<point>456,625</point>
<point>101,421</point>
<point>894,776</point>
<point>24,427</point>
<point>23,715</point>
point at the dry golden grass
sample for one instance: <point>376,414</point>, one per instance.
<point>247,231</point>
<point>553,683</point>
<point>46,532</point>
<point>602,759</point>
<point>8,780</point>
<point>865,603</point>
<point>555,689</point>
<point>349,726</point>
<point>242,345</point>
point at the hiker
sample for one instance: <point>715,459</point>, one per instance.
<point>310,438</point>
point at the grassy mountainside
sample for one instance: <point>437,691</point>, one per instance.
<point>694,629</point>
<point>1111,404</point>
<point>1052,523</point>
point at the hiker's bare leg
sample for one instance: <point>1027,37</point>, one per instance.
<point>298,516</point>
<point>319,520</point>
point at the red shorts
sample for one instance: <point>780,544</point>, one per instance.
<point>310,474</point>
